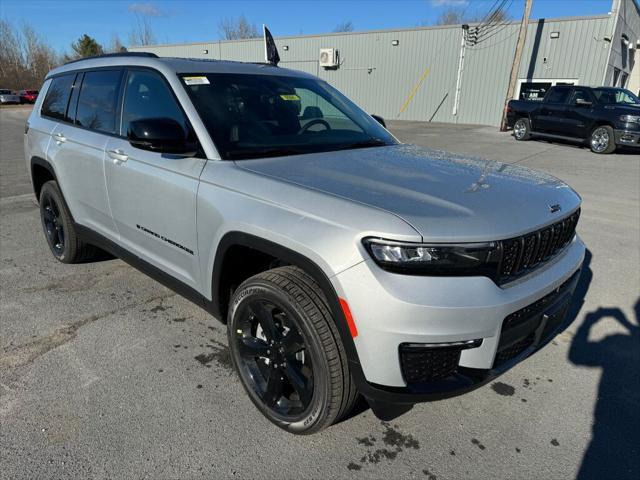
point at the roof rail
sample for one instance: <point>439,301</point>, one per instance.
<point>115,55</point>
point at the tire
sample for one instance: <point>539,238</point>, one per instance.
<point>522,129</point>
<point>602,140</point>
<point>59,229</point>
<point>287,351</point>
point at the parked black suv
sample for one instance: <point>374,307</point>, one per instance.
<point>605,117</point>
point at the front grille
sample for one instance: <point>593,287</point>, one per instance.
<point>513,351</point>
<point>523,253</point>
<point>420,365</point>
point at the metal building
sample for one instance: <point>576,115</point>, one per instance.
<point>416,74</point>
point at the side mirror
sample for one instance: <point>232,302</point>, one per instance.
<point>581,102</point>
<point>380,120</point>
<point>161,135</point>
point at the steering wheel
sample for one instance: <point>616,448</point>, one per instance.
<point>311,123</point>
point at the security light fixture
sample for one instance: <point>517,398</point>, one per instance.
<point>205,51</point>
<point>395,43</point>
<point>555,35</point>
<point>285,47</point>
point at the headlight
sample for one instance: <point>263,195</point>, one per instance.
<point>630,118</point>
<point>466,259</point>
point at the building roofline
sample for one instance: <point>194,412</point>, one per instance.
<point>365,32</point>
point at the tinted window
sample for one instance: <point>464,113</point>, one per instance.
<point>73,102</point>
<point>253,116</point>
<point>148,96</point>
<point>98,100</point>
<point>580,93</point>
<point>558,95</point>
<point>55,103</point>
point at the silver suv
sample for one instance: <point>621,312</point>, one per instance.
<point>342,261</point>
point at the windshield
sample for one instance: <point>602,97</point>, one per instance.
<point>254,116</point>
<point>615,96</point>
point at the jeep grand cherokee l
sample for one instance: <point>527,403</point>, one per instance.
<point>342,261</point>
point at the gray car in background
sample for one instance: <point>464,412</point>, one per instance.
<point>7,97</point>
<point>342,261</point>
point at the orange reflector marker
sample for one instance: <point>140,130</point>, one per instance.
<point>347,315</point>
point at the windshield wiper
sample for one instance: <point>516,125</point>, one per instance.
<point>267,152</point>
<point>369,142</point>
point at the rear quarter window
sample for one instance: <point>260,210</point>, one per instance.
<point>57,98</point>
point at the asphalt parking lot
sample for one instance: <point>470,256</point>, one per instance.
<point>104,373</point>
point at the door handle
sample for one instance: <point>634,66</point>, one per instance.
<point>118,155</point>
<point>60,138</point>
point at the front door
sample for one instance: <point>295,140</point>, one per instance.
<point>153,195</point>
<point>579,114</point>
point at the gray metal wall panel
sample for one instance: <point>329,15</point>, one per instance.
<point>379,77</point>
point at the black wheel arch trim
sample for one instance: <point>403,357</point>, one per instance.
<point>238,238</point>
<point>40,162</point>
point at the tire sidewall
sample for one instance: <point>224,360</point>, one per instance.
<point>51,190</point>
<point>525,123</point>
<point>315,413</point>
<point>611,146</point>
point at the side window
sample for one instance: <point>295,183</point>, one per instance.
<point>581,94</point>
<point>97,103</point>
<point>55,103</point>
<point>147,95</point>
<point>558,95</point>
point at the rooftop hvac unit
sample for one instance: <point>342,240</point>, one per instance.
<point>328,57</point>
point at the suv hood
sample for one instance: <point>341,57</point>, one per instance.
<point>443,196</point>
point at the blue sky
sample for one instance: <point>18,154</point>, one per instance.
<point>61,22</point>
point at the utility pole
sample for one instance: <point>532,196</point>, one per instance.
<point>515,68</point>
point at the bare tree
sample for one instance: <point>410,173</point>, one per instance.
<point>237,29</point>
<point>24,57</point>
<point>116,45</point>
<point>141,33</point>
<point>344,27</point>
<point>456,16</point>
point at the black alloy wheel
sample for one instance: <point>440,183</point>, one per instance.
<point>53,225</point>
<point>287,351</point>
<point>272,355</point>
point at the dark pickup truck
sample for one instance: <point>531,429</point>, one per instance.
<point>606,117</point>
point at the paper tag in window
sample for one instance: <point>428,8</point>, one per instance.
<point>290,97</point>
<point>196,80</point>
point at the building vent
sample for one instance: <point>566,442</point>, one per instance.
<point>328,57</point>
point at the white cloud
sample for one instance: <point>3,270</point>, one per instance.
<point>448,3</point>
<point>147,9</point>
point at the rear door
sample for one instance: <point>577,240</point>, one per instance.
<point>549,117</point>
<point>78,143</point>
<point>153,195</point>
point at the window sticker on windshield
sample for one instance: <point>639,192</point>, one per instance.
<point>196,80</point>
<point>290,97</point>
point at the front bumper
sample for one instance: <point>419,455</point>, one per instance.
<point>627,138</point>
<point>392,310</point>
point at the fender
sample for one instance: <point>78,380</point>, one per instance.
<point>291,257</point>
